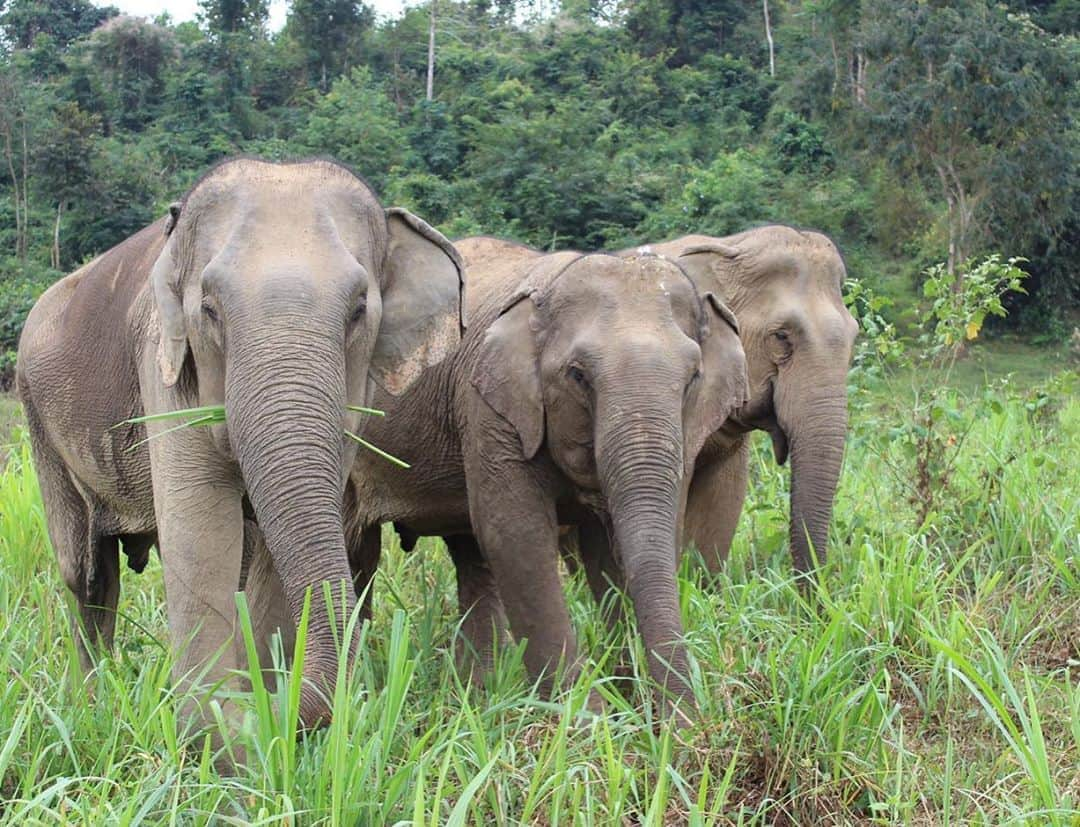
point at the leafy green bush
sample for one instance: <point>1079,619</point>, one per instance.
<point>800,145</point>
<point>929,421</point>
<point>355,122</point>
<point>838,206</point>
<point>21,282</point>
<point>727,196</point>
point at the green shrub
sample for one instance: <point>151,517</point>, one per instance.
<point>729,195</point>
<point>21,282</point>
<point>799,145</point>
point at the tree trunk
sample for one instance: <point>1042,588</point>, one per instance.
<point>862,62</point>
<point>25,193</point>
<point>836,66</point>
<point>769,38</point>
<point>951,217</point>
<point>56,236</point>
<point>19,220</point>
<point>431,54</point>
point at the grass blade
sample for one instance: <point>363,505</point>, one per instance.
<point>363,410</point>
<point>389,457</point>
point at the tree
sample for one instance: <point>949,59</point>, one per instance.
<point>687,29</point>
<point>131,58</point>
<point>234,17</point>
<point>430,89</point>
<point>64,160</point>
<point>235,27</point>
<point>971,97</point>
<point>62,20</point>
<point>15,127</point>
<point>330,33</point>
<point>357,123</point>
<point>769,38</point>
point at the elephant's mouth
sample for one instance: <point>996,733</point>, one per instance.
<point>760,415</point>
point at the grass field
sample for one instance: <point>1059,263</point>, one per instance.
<point>935,679</point>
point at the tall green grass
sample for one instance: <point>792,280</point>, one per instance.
<point>934,678</point>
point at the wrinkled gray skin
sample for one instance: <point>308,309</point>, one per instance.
<point>581,394</point>
<point>280,291</point>
<point>784,286</point>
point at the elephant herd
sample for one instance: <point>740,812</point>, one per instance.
<point>598,404</point>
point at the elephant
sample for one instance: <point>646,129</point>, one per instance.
<point>784,285</point>
<point>581,394</point>
<point>283,291</point>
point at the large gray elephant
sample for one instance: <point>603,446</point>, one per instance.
<point>784,285</point>
<point>284,292</point>
<point>581,394</point>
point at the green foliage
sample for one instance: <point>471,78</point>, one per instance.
<point>25,22</point>
<point>961,302</point>
<point>21,283</point>
<point>723,198</point>
<point>969,99</point>
<point>64,155</point>
<point>799,145</point>
<point>928,420</point>
<point>329,34</point>
<point>356,123</point>
<point>907,132</point>
<point>128,61</point>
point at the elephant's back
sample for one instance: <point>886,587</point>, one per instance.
<point>85,312</point>
<point>480,248</point>
<point>76,365</point>
<point>674,248</point>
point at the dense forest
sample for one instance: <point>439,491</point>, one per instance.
<point>913,131</point>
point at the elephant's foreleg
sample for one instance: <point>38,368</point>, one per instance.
<point>365,551</point>
<point>602,569</point>
<point>484,625</point>
<point>268,607</point>
<point>715,501</point>
<point>201,536</point>
<point>517,530</point>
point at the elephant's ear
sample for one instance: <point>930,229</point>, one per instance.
<point>706,263</point>
<point>422,302</point>
<point>506,373</point>
<point>724,385</point>
<point>172,334</point>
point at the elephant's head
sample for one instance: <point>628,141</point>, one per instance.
<point>784,285</point>
<point>283,292</point>
<point>619,370</point>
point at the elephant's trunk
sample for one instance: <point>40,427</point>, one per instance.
<point>814,420</point>
<point>640,460</point>
<point>284,399</point>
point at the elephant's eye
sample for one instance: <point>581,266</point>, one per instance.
<point>781,335</point>
<point>692,382</point>
<point>578,375</point>
<point>359,311</point>
<point>209,312</point>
